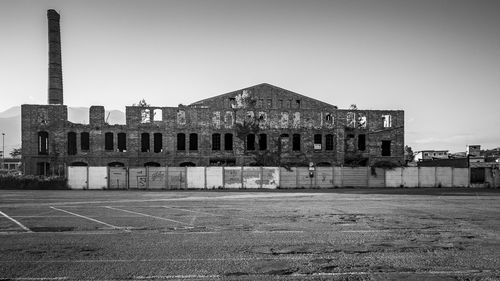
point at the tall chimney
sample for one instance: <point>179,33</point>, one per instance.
<point>55,64</point>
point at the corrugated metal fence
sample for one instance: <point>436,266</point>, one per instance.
<point>265,177</point>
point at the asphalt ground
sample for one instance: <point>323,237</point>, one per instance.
<point>350,234</point>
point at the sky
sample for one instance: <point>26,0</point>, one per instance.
<point>437,60</point>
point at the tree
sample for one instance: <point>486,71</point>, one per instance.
<point>15,153</point>
<point>409,155</point>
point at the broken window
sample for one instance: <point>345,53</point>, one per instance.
<point>349,143</point>
<point>296,142</point>
<point>318,141</point>
<point>284,142</point>
<point>250,142</point>
<point>362,142</point>
<point>387,121</point>
<point>157,115</point>
<point>228,141</point>
<point>386,148</point>
<point>71,143</point>
<point>157,142</point>
<point>108,141</point>
<point>351,119</point>
<point>43,169</point>
<point>43,143</point>
<point>297,103</point>
<point>193,141</point>
<point>181,141</point>
<point>262,142</point>
<point>361,121</point>
<point>329,142</point>
<point>145,116</point>
<point>122,142</point>
<point>145,146</point>
<point>215,141</point>
<point>232,102</point>
<point>328,117</point>
<point>84,141</point>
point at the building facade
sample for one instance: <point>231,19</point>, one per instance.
<point>261,125</point>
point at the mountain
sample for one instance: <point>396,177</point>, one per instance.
<point>10,123</point>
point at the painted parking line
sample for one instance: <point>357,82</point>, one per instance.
<point>88,218</point>
<point>16,222</point>
<point>145,215</point>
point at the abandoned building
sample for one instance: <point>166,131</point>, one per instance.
<point>261,125</point>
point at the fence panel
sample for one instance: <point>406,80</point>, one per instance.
<point>137,178</point>
<point>98,177</point>
<point>232,177</point>
<point>324,177</point>
<point>77,177</point>
<point>444,177</point>
<point>157,177</point>
<point>410,177</point>
<point>303,179</point>
<point>195,177</point>
<point>338,177</point>
<point>270,177</point>
<point>393,177</point>
<point>214,177</point>
<point>176,177</point>
<point>251,177</point>
<point>355,176</point>
<point>376,178</point>
<point>117,178</point>
<point>288,178</point>
<point>427,176</point>
<point>460,177</point>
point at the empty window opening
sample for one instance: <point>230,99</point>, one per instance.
<point>181,141</point>
<point>297,103</point>
<point>351,119</point>
<point>262,142</point>
<point>43,143</point>
<point>362,142</point>
<point>108,141</point>
<point>193,141</point>
<point>187,164</point>
<point>71,143</point>
<point>387,121</point>
<point>157,115</point>
<point>318,141</point>
<point>116,164</point>
<point>296,142</point>
<point>122,142</point>
<point>328,117</point>
<point>228,142</point>
<point>215,141</point>
<point>329,142</point>
<point>284,142</point>
<point>145,147</point>
<point>477,175</point>
<point>152,164</point>
<point>361,121</point>
<point>43,169</point>
<point>78,164</point>
<point>85,141</point>
<point>145,116</point>
<point>250,142</point>
<point>232,102</point>
<point>386,148</point>
<point>158,142</point>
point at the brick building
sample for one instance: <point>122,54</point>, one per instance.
<point>259,125</point>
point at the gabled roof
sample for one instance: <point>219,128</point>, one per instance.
<point>232,93</point>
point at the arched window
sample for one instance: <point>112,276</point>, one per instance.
<point>215,141</point>
<point>71,143</point>
<point>181,141</point>
<point>158,142</point>
<point>250,142</point>
<point>108,141</point>
<point>262,142</point>
<point>228,141</point>
<point>145,142</point>
<point>84,141</point>
<point>43,143</point>
<point>122,142</point>
<point>193,141</point>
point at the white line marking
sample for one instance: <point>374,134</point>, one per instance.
<point>146,215</point>
<point>15,221</point>
<point>38,278</point>
<point>200,212</point>
<point>88,218</point>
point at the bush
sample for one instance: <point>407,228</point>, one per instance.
<point>32,182</point>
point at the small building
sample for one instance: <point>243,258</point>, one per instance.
<point>10,165</point>
<point>431,155</point>
<point>473,150</point>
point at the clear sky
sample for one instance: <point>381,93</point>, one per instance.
<point>437,60</point>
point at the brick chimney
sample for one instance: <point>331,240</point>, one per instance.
<point>55,64</point>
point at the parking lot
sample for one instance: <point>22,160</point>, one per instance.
<point>350,234</point>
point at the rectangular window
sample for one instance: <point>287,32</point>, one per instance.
<point>280,103</point>
<point>262,142</point>
<point>157,115</point>
<point>122,142</point>
<point>329,142</point>
<point>269,103</point>
<point>387,121</point>
<point>158,142</point>
<point>43,169</point>
<point>228,142</point>
<point>216,142</point>
<point>362,142</point>
<point>296,142</point>
<point>297,103</point>
<point>386,148</point>
<point>250,142</point>
<point>84,141</point>
<point>193,141</point>
<point>108,141</point>
<point>71,143</point>
<point>43,143</point>
<point>145,116</point>
<point>181,141</point>
<point>318,141</point>
<point>145,146</point>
